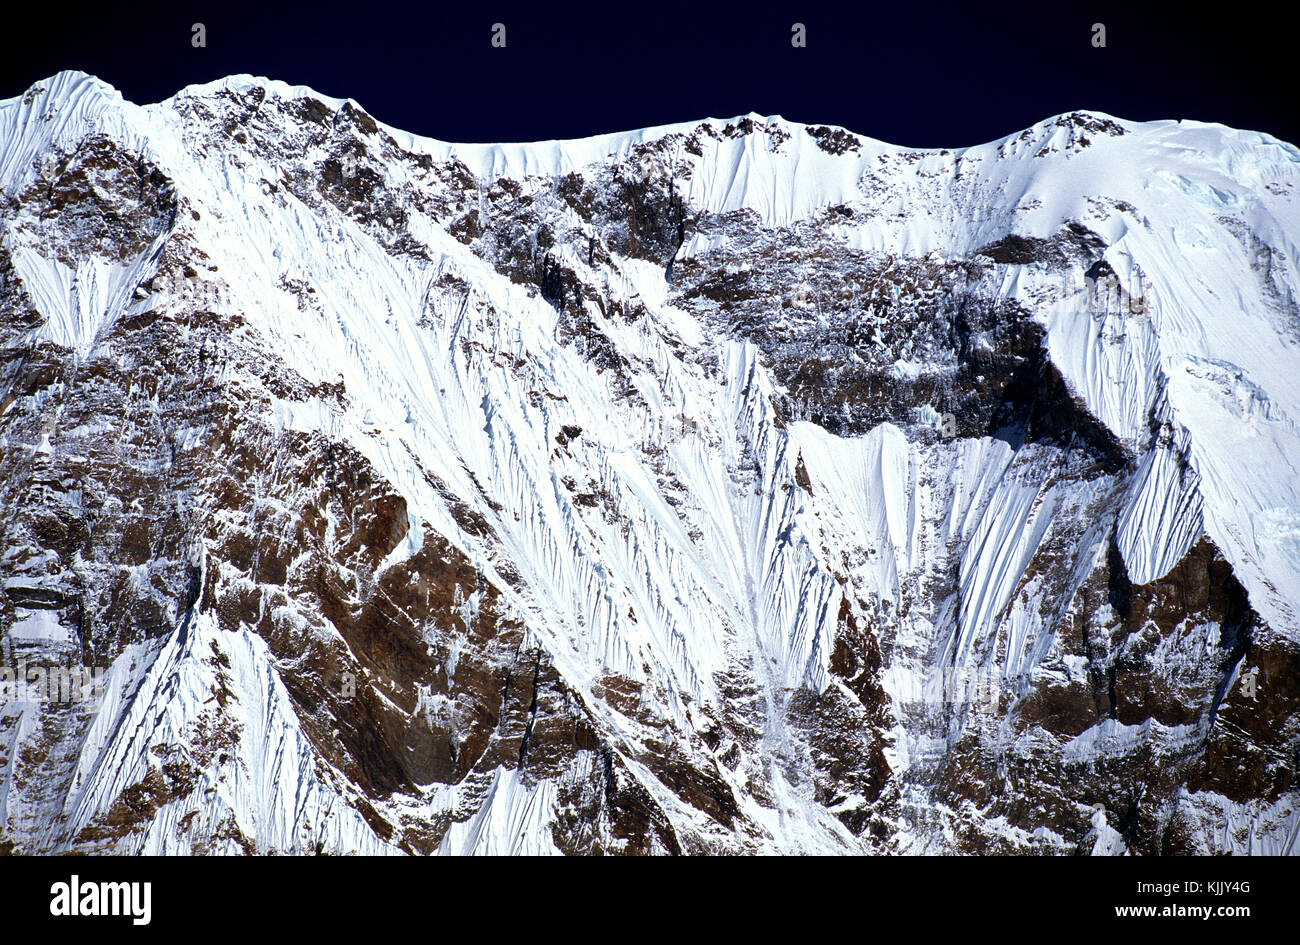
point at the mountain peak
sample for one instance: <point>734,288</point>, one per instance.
<point>736,485</point>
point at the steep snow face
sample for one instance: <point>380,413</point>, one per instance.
<point>725,486</point>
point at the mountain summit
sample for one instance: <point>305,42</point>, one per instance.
<point>730,486</point>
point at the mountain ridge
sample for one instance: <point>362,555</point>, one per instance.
<point>615,482</point>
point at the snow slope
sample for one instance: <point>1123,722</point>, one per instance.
<point>691,543</point>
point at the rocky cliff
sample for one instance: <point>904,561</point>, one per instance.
<point>732,486</point>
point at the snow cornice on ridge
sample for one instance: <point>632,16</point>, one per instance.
<point>74,84</point>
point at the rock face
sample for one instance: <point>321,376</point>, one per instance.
<point>735,486</point>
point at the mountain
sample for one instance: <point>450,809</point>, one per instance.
<point>730,486</point>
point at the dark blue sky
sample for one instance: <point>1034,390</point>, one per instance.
<point>913,73</point>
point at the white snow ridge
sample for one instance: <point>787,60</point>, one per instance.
<point>730,486</point>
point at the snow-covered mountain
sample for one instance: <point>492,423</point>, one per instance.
<point>736,486</point>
